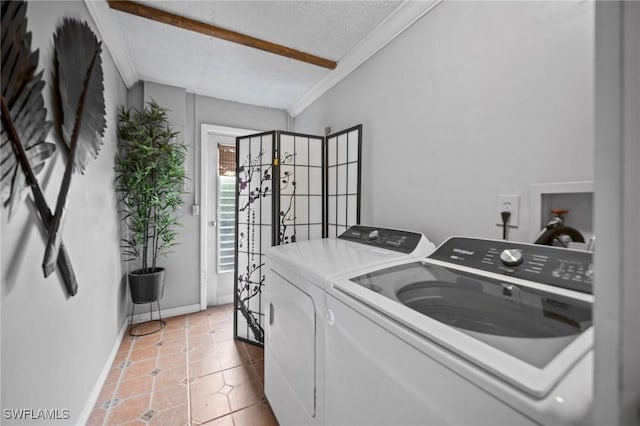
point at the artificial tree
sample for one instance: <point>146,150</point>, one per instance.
<point>150,178</point>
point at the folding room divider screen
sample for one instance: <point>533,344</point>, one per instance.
<point>289,187</point>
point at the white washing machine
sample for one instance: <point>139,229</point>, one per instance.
<point>298,275</point>
<point>481,332</point>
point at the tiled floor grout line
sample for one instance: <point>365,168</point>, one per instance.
<point>221,371</point>
<point>126,361</point>
<point>117,386</point>
<point>246,364</point>
<point>153,383</point>
<point>233,412</point>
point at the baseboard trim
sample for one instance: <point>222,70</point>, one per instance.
<point>166,313</point>
<point>225,300</point>
<point>95,393</point>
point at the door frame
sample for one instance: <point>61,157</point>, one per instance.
<point>205,131</point>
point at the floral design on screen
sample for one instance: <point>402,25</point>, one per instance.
<point>287,208</point>
<point>254,184</point>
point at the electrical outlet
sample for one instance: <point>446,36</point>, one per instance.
<point>510,203</point>
<point>195,210</point>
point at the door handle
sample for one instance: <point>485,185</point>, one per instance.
<point>212,223</point>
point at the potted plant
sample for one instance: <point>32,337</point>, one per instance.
<point>150,179</point>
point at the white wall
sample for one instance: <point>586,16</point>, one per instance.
<point>474,100</point>
<point>53,347</point>
<point>187,113</point>
<point>617,214</point>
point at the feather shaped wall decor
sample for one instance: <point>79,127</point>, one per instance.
<point>25,110</point>
<point>81,100</point>
<point>23,149</point>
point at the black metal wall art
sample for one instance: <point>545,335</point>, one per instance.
<point>23,149</point>
<point>286,182</point>
<point>81,100</point>
<point>24,126</point>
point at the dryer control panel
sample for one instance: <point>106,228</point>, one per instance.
<point>560,267</point>
<point>391,239</point>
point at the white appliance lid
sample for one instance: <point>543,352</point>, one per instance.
<point>325,259</point>
<point>535,381</point>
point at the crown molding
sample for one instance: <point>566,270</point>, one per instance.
<point>110,34</point>
<point>395,24</point>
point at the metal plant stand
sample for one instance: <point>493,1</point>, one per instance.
<point>160,321</point>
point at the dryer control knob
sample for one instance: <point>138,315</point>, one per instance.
<point>373,235</point>
<point>511,257</point>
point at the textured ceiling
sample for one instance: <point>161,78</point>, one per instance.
<point>323,28</point>
<point>209,66</point>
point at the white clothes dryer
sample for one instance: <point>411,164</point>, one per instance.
<point>298,275</point>
<point>482,332</point>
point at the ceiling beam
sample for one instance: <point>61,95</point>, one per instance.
<point>213,31</point>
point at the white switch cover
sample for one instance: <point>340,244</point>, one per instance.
<point>510,203</point>
<point>195,210</point>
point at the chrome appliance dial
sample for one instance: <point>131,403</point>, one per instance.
<point>373,235</point>
<point>511,257</point>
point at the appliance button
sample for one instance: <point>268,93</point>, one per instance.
<point>511,257</point>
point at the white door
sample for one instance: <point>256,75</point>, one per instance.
<point>216,282</point>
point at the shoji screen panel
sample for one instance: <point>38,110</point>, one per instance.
<point>290,187</point>
<point>300,196</point>
<point>255,231</point>
<point>343,154</point>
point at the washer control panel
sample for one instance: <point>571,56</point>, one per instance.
<point>391,239</point>
<point>560,267</point>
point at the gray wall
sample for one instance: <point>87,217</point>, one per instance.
<point>474,100</point>
<point>53,347</point>
<point>617,169</point>
<point>187,113</point>
<point>182,264</point>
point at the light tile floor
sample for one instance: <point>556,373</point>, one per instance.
<point>192,372</point>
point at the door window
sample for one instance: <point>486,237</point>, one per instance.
<point>226,207</point>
